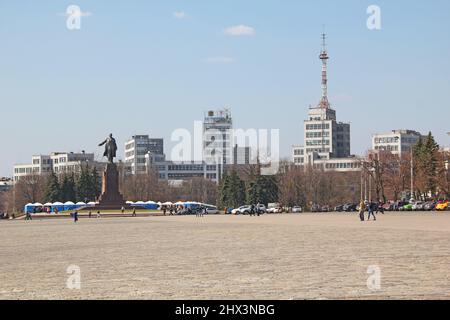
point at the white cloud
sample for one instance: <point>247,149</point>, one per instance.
<point>241,30</point>
<point>220,60</point>
<point>179,14</point>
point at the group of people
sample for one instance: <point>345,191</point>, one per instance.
<point>255,210</point>
<point>173,209</point>
<point>200,212</point>
<point>371,208</point>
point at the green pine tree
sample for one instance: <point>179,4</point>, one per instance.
<point>96,185</point>
<point>53,190</point>
<point>68,190</point>
<point>84,184</point>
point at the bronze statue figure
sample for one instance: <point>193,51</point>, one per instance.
<point>110,148</point>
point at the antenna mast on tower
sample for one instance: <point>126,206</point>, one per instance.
<point>324,57</point>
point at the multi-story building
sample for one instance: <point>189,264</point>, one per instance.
<point>242,156</point>
<point>217,137</point>
<point>136,150</point>
<point>5,184</point>
<point>327,141</point>
<point>58,162</point>
<point>176,171</point>
<point>396,141</point>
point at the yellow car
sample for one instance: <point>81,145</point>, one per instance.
<point>442,206</point>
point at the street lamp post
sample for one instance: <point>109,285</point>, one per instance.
<point>412,174</point>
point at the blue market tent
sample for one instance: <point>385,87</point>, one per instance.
<point>57,206</point>
<point>139,204</point>
<point>80,205</point>
<point>151,205</point>
<point>29,208</point>
<point>69,205</point>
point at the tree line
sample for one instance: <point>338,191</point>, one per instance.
<point>384,176</point>
<point>426,166</point>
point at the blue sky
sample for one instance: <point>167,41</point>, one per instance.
<point>136,68</point>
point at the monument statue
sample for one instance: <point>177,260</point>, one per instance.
<point>110,148</point>
<point>111,198</point>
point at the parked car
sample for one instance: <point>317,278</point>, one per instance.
<point>430,206</point>
<point>242,210</point>
<point>275,210</point>
<point>442,206</point>
<point>211,209</point>
<point>339,208</point>
<point>262,208</point>
<point>350,207</point>
<point>406,207</point>
<point>418,206</point>
<point>326,208</point>
<point>297,209</point>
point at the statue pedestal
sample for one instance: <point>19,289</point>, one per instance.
<point>111,198</point>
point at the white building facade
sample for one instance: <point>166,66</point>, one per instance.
<point>396,141</point>
<point>218,137</point>
<point>136,150</point>
<point>58,162</point>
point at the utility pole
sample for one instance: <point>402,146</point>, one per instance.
<point>365,186</point>
<point>362,185</point>
<point>412,174</point>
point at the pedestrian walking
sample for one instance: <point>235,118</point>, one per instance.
<point>362,210</point>
<point>370,207</point>
<point>204,211</point>
<point>380,207</point>
<point>75,216</point>
<point>134,212</point>
<point>90,214</point>
<point>98,215</point>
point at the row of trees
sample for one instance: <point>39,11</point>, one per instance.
<point>384,176</point>
<point>235,191</point>
<point>85,186</point>
<point>426,166</point>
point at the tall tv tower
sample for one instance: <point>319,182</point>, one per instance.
<point>324,57</point>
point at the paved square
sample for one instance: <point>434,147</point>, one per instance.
<point>228,257</point>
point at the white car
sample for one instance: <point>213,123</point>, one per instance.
<point>211,209</point>
<point>242,210</point>
<point>297,209</point>
<point>275,210</point>
<point>262,208</point>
